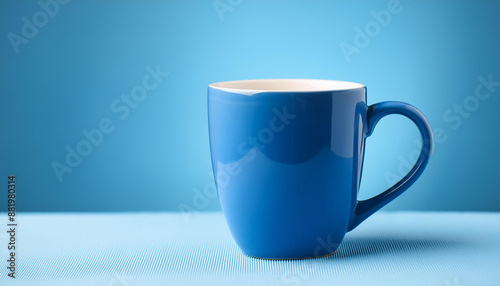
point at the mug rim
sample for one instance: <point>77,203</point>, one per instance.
<point>252,86</point>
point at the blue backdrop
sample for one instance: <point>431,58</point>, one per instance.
<point>103,104</point>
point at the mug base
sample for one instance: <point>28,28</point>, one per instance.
<point>293,258</point>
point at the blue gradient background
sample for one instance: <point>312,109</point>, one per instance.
<point>65,78</point>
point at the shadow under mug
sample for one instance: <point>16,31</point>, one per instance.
<point>287,156</point>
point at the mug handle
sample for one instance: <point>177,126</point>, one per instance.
<point>375,112</point>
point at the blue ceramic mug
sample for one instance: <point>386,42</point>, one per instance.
<point>287,156</point>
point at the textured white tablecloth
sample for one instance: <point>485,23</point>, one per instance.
<point>403,248</point>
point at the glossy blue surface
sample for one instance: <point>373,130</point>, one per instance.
<point>288,166</point>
